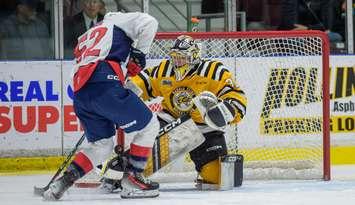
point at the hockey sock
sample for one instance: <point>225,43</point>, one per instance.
<point>138,156</point>
<point>81,163</point>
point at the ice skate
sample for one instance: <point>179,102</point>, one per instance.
<point>134,185</point>
<point>58,187</point>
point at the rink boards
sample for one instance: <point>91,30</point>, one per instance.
<point>37,118</point>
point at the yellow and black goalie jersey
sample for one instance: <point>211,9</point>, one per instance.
<point>210,76</point>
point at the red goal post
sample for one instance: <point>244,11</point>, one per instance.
<point>287,120</point>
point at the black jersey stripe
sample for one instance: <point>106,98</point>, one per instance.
<point>154,72</point>
<point>228,88</point>
<point>240,91</point>
<point>224,89</point>
<point>210,68</point>
<point>229,91</point>
<point>170,70</point>
<point>215,70</point>
<point>221,73</point>
<point>146,71</point>
<point>166,66</point>
<point>240,110</point>
<point>145,81</point>
<point>207,69</point>
<point>200,67</point>
<point>146,84</point>
<point>161,68</point>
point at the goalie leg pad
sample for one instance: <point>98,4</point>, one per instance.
<point>231,171</point>
<point>210,172</point>
<point>181,136</point>
<point>211,149</point>
<point>224,173</point>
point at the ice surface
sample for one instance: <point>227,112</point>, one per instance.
<point>339,191</point>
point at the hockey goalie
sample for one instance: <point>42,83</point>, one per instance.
<point>205,91</point>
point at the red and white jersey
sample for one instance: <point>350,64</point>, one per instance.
<point>111,40</point>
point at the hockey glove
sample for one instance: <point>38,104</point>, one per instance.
<point>137,57</point>
<point>220,115</point>
<point>204,101</point>
<point>217,114</point>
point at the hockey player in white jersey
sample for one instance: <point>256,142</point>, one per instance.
<point>105,54</point>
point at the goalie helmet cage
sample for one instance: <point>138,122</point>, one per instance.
<point>285,75</point>
<point>285,133</point>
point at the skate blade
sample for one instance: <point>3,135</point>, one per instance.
<point>48,196</point>
<point>207,186</point>
<point>103,190</point>
<point>38,191</point>
<point>138,194</point>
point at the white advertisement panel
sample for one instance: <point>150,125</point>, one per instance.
<point>30,107</point>
<point>71,125</point>
<point>342,103</point>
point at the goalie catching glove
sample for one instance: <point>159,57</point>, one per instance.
<point>216,113</point>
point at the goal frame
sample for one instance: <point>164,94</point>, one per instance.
<point>277,34</point>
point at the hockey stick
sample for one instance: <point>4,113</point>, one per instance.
<point>38,191</point>
<point>168,127</point>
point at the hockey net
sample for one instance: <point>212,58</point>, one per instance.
<point>285,133</point>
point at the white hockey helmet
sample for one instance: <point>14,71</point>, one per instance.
<point>184,55</point>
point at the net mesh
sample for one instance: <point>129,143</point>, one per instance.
<point>255,47</point>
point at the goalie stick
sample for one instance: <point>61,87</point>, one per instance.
<point>40,190</point>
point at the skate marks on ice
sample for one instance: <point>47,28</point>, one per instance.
<point>252,192</point>
<point>16,190</point>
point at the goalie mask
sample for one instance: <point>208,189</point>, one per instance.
<point>184,55</point>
